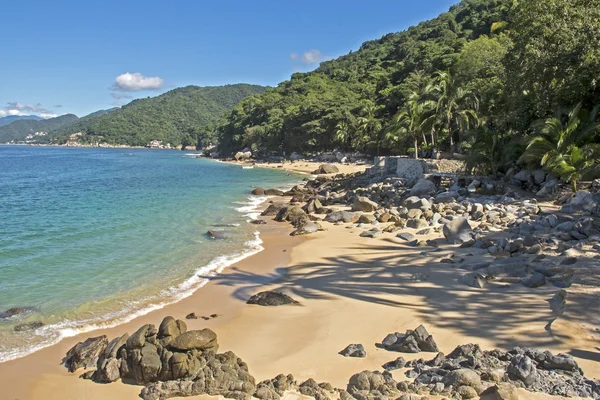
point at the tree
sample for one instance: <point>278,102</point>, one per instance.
<point>369,127</point>
<point>555,60</point>
<point>410,120</point>
<point>491,151</point>
<point>567,149</point>
<point>457,104</point>
<point>342,134</point>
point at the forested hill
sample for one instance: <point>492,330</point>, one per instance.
<point>175,117</point>
<point>495,63</point>
<point>18,130</point>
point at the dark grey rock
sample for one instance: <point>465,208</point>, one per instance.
<point>354,350</point>
<point>85,354</point>
<point>270,298</point>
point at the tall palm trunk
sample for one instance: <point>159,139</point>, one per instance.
<point>416,138</point>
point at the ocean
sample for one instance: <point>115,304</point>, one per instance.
<point>91,238</point>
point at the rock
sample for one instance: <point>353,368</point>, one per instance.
<point>416,223</point>
<point>464,377</point>
<point>204,339</point>
<point>258,222</point>
<point>466,392</point>
<point>313,206</point>
<point>274,192</point>
<point>411,342</point>
<point>270,298</point>
<point>326,169</point>
<point>374,385</point>
<point>319,391</point>
<point>423,187</point>
<point>446,197</point>
<point>373,233</point>
<point>258,192</point>
<point>539,176</point>
<point>108,365</point>
<point>15,311</point>
<point>296,156</point>
<point>474,279</point>
<point>243,155</point>
<point>522,176</point>
<point>354,350</point>
<point>534,281</point>
<point>364,204</point>
<point>406,236</point>
<point>522,368</point>
<point>273,209</point>
<point>341,216</point>
<point>398,363</point>
<point>366,219</point>
<point>85,354</point>
<point>414,213</point>
<point>214,235</point>
<point>306,229</point>
<point>30,326</point>
<point>274,388</point>
<point>191,316</point>
<point>569,261</point>
<point>293,214</point>
<point>219,374</point>
<point>501,391</point>
<point>169,329</point>
<point>458,231</point>
<point>138,339</point>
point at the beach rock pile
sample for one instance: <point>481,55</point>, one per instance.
<point>468,372</point>
<point>170,361</point>
<point>326,169</point>
<point>354,350</point>
<point>173,362</point>
<point>410,342</point>
<point>269,298</point>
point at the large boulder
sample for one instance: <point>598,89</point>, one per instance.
<point>270,298</point>
<point>464,377</point>
<point>342,216</point>
<point>170,329</point>
<point>204,339</point>
<point>292,214</point>
<point>85,354</point>
<point>458,231</point>
<point>326,169</point>
<point>273,209</point>
<point>108,365</point>
<point>364,204</point>
<point>306,229</point>
<point>423,187</point>
<point>522,368</point>
<point>258,192</point>
<point>410,342</point>
<point>373,385</point>
<point>243,155</point>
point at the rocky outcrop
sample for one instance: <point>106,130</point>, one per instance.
<point>364,204</point>
<point>410,342</point>
<point>458,231</point>
<point>270,298</point>
<point>85,354</point>
<point>326,169</point>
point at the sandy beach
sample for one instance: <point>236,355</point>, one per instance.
<point>351,290</point>
<point>303,166</point>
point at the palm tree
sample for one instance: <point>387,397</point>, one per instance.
<point>342,133</point>
<point>491,150</point>
<point>369,127</point>
<point>410,120</point>
<point>567,150</point>
<point>458,105</point>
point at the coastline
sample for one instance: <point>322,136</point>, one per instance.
<point>351,289</point>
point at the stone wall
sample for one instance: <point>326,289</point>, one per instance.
<point>444,166</point>
<point>409,168</point>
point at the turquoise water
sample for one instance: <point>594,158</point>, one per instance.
<point>94,237</point>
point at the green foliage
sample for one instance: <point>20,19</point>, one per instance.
<point>304,113</point>
<point>568,150</point>
<point>490,152</point>
<point>177,117</point>
<point>18,130</point>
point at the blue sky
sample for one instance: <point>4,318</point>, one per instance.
<point>81,56</point>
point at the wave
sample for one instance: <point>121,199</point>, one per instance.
<point>54,333</point>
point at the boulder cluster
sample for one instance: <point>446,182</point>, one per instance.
<point>521,241</point>
<point>173,362</point>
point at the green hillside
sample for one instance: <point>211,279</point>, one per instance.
<point>497,65</point>
<point>18,130</point>
<point>175,117</point>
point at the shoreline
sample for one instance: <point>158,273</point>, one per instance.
<point>351,289</point>
<point>248,208</point>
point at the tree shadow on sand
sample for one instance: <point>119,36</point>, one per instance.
<point>431,290</point>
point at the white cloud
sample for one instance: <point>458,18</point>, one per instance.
<point>133,82</point>
<point>309,57</point>
<point>21,109</point>
<point>48,115</point>
<point>15,112</point>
